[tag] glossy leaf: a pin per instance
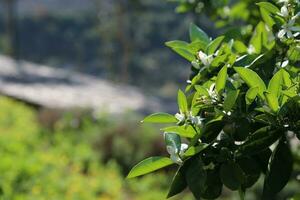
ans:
(269, 7)
(280, 170)
(252, 79)
(197, 33)
(182, 102)
(184, 53)
(178, 183)
(160, 118)
(259, 141)
(275, 84)
(149, 165)
(214, 45)
(196, 176)
(183, 131)
(251, 95)
(230, 99)
(172, 140)
(231, 175)
(194, 150)
(272, 101)
(221, 79)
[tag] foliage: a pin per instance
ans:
(241, 107)
(39, 163)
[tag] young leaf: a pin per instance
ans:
(231, 175)
(160, 118)
(182, 102)
(272, 101)
(184, 53)
(252, 79)
(194, 150)
(149, 165)
(177, 44)
(183, 131)
(197, 34)
(256, 40)
(269, 7)
(178, 183)
(213, 46)
(275, 84)
(230, 99)
(172, 140)
(266, 17)
(240, 47)
(280, 170)
(221, 80)
(251, 95)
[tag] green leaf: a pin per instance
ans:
(247, 61)
(251, 95)
(202, 90)
(178, 183)
(160, 118)
(240, 47)
(266, 17)
(221, 80)
(275, 84)
(272, 101)
(183, 131)
(269, 7)
(177, 44)
(172, 140)
(211, 130)
(195, 176)
(182, 102)
(231, 175)
(213, 185)
(230, 99)
(214, 45)
(280, 170)
(259, 141)
(252, 79)
(149, 165)
(184, 53)
(256, 40)
(251, 169)
(194, 150)
(197, 33)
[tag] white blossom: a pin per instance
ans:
(176, 155)
(196, 120)
(289, 28)
(180, 117)
(205, 59)
(284, 63)
(251, 49)
(212, 92)
(284, 12)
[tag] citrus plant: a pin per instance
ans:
(240, 109)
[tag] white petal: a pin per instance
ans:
(295, 28)
(180, 117)
(289, 34)
(202, 55)
(183, 147)
(285, 63)
(171, 150)
(284, 11)
(176, 159)
(281, 33)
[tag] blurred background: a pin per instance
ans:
(76, 78)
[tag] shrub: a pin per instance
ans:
(241, 107)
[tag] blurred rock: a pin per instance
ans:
(58, 88)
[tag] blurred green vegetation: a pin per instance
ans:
(72, 159)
